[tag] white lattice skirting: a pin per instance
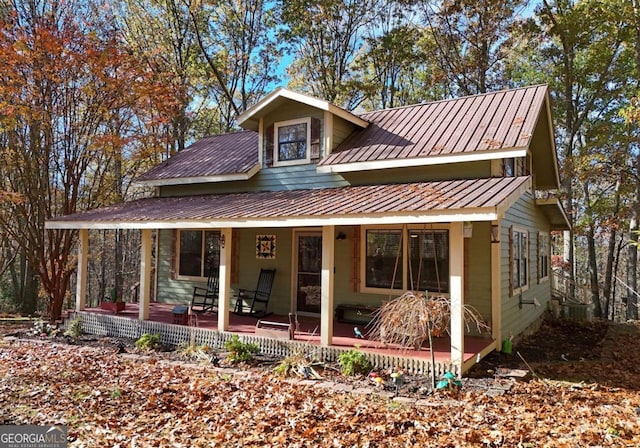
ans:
(170, 334)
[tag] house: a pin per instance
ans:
(451, 197)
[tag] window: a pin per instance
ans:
(429, 258)
(292, 142)
(508, 168)
(198, 253)
(543, 255)
(518, 166)
(420, 265)
(520, 262)
(383, 248)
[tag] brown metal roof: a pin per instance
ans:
(354, 202)
(491, 121)
(218, 155)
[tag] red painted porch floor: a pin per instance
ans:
(309, 331)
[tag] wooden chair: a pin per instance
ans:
(205, 299)
(255, 303)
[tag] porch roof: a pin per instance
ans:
(444, 201)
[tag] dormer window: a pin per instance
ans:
(292, 139)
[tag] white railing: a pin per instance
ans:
(170, 334)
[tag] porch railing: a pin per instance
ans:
(170, 334)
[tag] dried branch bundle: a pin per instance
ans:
(406, 320)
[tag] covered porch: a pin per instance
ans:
(449, 203)
(307, 333)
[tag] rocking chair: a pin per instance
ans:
(206, 298)
(254, 303)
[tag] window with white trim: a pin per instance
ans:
(543, 255)
(198, 252)
(414, 259)
(520, 259)
(292, 142)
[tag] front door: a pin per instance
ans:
(307, 272)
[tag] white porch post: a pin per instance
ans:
(326, 285)
(145, 275)
(224, 279)
(81, 280)
(456, 276)
(496, 291)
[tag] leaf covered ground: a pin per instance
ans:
(109, 399)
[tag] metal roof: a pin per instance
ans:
(211, 158)
(494, 121)
(456, 200)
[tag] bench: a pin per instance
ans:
(357, 314)
(278, 330)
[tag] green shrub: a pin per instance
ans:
(148, 341)
(353, 362)
(240, 351)
(75, 328)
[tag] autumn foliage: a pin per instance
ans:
(73, 102)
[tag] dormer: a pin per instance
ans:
(297, 129)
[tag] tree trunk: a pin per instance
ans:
(592, 257)
(621, 245)
(608, 276)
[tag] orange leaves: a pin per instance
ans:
(110, 400)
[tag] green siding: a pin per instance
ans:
(478, 270)
(268, 179)
(171, 290)
(523, 214)
(292, 111)
(249, 266)
(467, 170)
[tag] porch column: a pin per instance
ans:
(145, 275)
(81, 280)
(456, 276)
(326, 284)
(496, 289)
(224, 281)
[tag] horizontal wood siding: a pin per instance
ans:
(249, 266)
(171, 290)
(478, 275)
(523, 214)
(292, 111)
(467, 170)
(268, 179)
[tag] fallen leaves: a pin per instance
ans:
(113, 400)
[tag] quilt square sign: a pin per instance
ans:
(266, 247)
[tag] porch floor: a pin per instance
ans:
(309, 331)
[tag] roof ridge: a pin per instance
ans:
(426, 103)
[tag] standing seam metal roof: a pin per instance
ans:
(218, 155)
(491, 121)
(442, 196)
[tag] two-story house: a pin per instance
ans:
(356, 208)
